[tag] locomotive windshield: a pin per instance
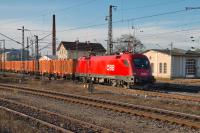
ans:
(141, 63)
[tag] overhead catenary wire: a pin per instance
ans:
(125, 20)
(95, 25)
(89, 1)
(45, 36)
(170, 32)
(196, 22)
(50, 12)
(152, 5)
(82, 4)
(10, 38)
(118, 21)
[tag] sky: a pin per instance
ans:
(157, 23)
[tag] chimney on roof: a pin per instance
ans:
(54, 36)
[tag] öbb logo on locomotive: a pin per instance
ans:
(110, 67)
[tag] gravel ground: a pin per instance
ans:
(116, 121)
(116, 94)
(9, 124)
(181, 81)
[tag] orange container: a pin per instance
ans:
(58, 67)
(68, 67)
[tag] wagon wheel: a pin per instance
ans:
(126, 85)
(114, 83)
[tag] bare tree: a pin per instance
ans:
(128, 42)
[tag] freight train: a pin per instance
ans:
(119, 70)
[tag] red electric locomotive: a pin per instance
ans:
(124, 69)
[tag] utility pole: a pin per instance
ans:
(110, 41)
(22, 51)
(54, 36)
(3, 57)
(171, 48)
(9, 39)
(27, 48)
(77, 43)
(32, 49)
(1, 65)
(22, 54)
(36, 55)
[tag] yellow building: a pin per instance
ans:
(74, 50)
(174, 64)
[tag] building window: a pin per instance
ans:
(152, 67)
(190, 66)
(160, 67)
(165, 67)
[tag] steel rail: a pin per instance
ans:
(50, 119)
(189, 120)
(166, 95)
(161, 95)
(35, 120)
(157, 94)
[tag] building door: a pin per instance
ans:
(190, 68)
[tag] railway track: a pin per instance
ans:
(156, 94)
(52, 121)
(170, 96)
(188, 120)
(34, 121)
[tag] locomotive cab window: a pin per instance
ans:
(141, 63)
(126, 63)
